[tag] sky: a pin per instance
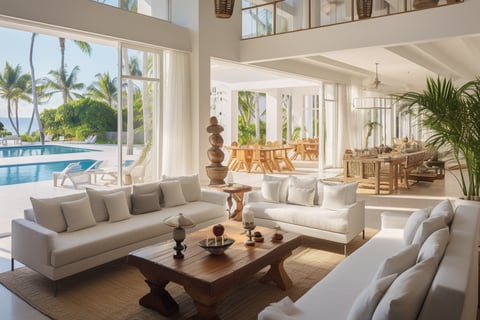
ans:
(15, 49)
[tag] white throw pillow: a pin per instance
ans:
(48, 212)
(412, 224)
(271, 191)
(443, 209)
(434, 246)
(335, 196)
(172, 193)
(366, 302)
(428, 227)
(78, 214)
(405, 297)
(98, 205)
(319, 193)
(284, 309)
(301, 191)
(191, 188)
(283, 185)
(117, 206)
(399, 262)
(351, 192)
(144, 188)
(145, 202)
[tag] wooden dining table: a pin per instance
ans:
(269, 158)
(305, 149)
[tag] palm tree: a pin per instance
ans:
(84, 47)
(13, 85)
(104, 89)
(65, 83)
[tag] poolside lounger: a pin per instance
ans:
(76, 174)
(62, 174)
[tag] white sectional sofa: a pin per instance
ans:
(435, 276)
(64, 235)
(308, 206)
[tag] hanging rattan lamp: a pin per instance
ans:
(224, 8)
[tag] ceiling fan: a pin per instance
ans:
(376, 82)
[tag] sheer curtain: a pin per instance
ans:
(177, 122)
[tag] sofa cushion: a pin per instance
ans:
(443, 209)
(98, 204)
(284, 309)
(398, 262)
(336, 196)
(190, 186)
(427, 227)
(145, 202)
(78, 214)
(117, 206)
(271, 191)
(412, 224)
(48, 212)
(172, 193)
(145, 188)
(405, 296)
(301, 191)
(365, 304)
(434, 246)
(283, 185)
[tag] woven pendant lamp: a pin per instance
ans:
(224, 8)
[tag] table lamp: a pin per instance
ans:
(178, 222)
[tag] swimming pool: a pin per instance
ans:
(38, 150)
(33, 172)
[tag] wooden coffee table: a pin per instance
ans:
(205, 277)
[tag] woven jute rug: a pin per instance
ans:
(112, 291)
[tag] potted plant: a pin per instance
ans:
(452, 114)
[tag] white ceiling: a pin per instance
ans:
(400, 68)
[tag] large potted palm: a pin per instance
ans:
(453, 116)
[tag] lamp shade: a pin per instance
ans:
(224, 8)
(179, 220)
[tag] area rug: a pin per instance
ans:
(112, 291)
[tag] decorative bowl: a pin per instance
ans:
(216, 247)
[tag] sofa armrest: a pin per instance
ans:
(31, 243)
(355, 216)
(394, 220)
(215, 197)
(253, 196)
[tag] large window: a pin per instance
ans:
(155, 8)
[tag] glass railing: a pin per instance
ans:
(154, 8)
(269, 17)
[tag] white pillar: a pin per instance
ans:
(297, 113)
(274, 115)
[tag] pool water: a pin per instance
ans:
(33, 172)
(38, 150)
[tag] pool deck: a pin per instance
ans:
(15, 198)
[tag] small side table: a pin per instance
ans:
(235, 192)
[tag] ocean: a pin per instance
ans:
(22, 122)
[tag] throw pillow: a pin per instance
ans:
(301, 191)
(443, 209)
(271, 191)
(399, 262)
(78, 214)
(319, 193)
(147, 188)
(351, 192)
(366, 302)
(98, 205)
(334, 196)
(145, 202)
(427, 227)
(191, 188)
(412, 224)
(405, 297)
(283, 185)
(48, 212)
(434, 246)
(172, 193)
(117, 206)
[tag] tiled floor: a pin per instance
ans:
(420, 195)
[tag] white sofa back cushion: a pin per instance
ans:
(78, 214)
(428, 227)
(98, 204)
(271, 191)
(283, 185)
(146, 188)
(172, 193)
(337, 196)
(435, 245)
(443, 209)
(190, 185)
(399, 262)
(405, 297)
(301, 191)
(412, 224)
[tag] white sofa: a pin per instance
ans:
(308, 206)
(452, 294)
(57, 240)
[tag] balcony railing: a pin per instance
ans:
(269, 17)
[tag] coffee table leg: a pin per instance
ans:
(277, 274)
(206, 305)
(159, 299)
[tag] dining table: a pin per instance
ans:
(267, 158)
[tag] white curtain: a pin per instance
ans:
(177, 122)
(342, 124)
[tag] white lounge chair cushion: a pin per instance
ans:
(399, 262)
(190, 186)
(435, 245)
(98, 204)
(78, 214)
(145, 202)
(48, 212)
(443, 209)
(172, 193)
(117, 206)
(412, 224)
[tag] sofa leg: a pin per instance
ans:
(345, 250)
(363, 234)
(12, 266)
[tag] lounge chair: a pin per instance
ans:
(91, 139)
(63, 174)
(76, 174)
